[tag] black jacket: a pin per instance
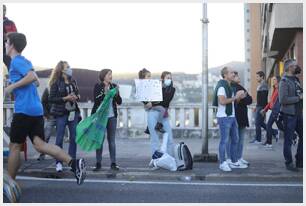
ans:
(241, 109)
(262, 94)
(57, 92)
(99, 96)
(45, 102)
(168, 93)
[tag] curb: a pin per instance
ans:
(165, 176)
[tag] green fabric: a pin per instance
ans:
(228, 91)
(90, 131)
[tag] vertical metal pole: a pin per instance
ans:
(205, 80)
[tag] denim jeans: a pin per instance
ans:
(292, 124)
(228, 131)
(259, 123)
(61, 123)
(270, 130)
(241, 136)
(154, 117)
(111, 134)
(50, 124)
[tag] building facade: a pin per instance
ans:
(273, 33)
(281, 36)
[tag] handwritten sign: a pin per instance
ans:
(148, 90)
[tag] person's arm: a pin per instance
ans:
(283, 94)
(98, 97)
(44, 101)
(29, 78)
(247, 100)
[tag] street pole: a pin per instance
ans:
(205, 156)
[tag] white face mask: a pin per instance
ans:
(68, 71)
(167, 82)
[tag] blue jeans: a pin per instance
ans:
(61, 123)
(292, 124)
(270, 131)
(154, 117)
(259, 123)
(111, 134)
(241, 136)
(50, 124)
(228, 131)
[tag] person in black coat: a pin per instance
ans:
(100, 91)
(241, 114)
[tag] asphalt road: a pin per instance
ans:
(35, 190)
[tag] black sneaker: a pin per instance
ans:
(114, 167)
(159, 127)
(98, 167)
(291, 167)
(79, 169)
(147, 131)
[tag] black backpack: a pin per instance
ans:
(183, 157)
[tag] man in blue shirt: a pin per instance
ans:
(28, 111)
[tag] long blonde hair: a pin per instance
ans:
(57, 72)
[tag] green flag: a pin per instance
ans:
(90, 131)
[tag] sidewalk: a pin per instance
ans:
(133, 156)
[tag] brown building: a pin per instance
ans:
(252, 46)
(273, 33)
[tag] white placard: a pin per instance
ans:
(125, 91)
(148, 90)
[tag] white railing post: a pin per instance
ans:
(182, 117)
(191, 118)
(172, 117)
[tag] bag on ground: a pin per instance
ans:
(166, 162)
(183, 157)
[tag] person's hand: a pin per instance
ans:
(8, 90)
(301, 96)
(239, 94)
(70, 98)
(262, 112)
(148, 105)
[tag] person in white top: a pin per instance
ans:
(224, 99)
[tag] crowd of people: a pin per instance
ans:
(36, 118)
(286, 106)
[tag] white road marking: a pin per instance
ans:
(166, 183)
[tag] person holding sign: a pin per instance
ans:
(157, 112)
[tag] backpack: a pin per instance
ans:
(183, 157)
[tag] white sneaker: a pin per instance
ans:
(229, 161)
(268, 146)
(224, 167)
(242, 161)
(59, 167)
(238, 165)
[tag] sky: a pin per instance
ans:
(127, 37)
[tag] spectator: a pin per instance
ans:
(275, 107)
(241, 113)
(100, 90)
(291, 100)
(64, 94)
(224, 99)
(8, 27)
(262, 100)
